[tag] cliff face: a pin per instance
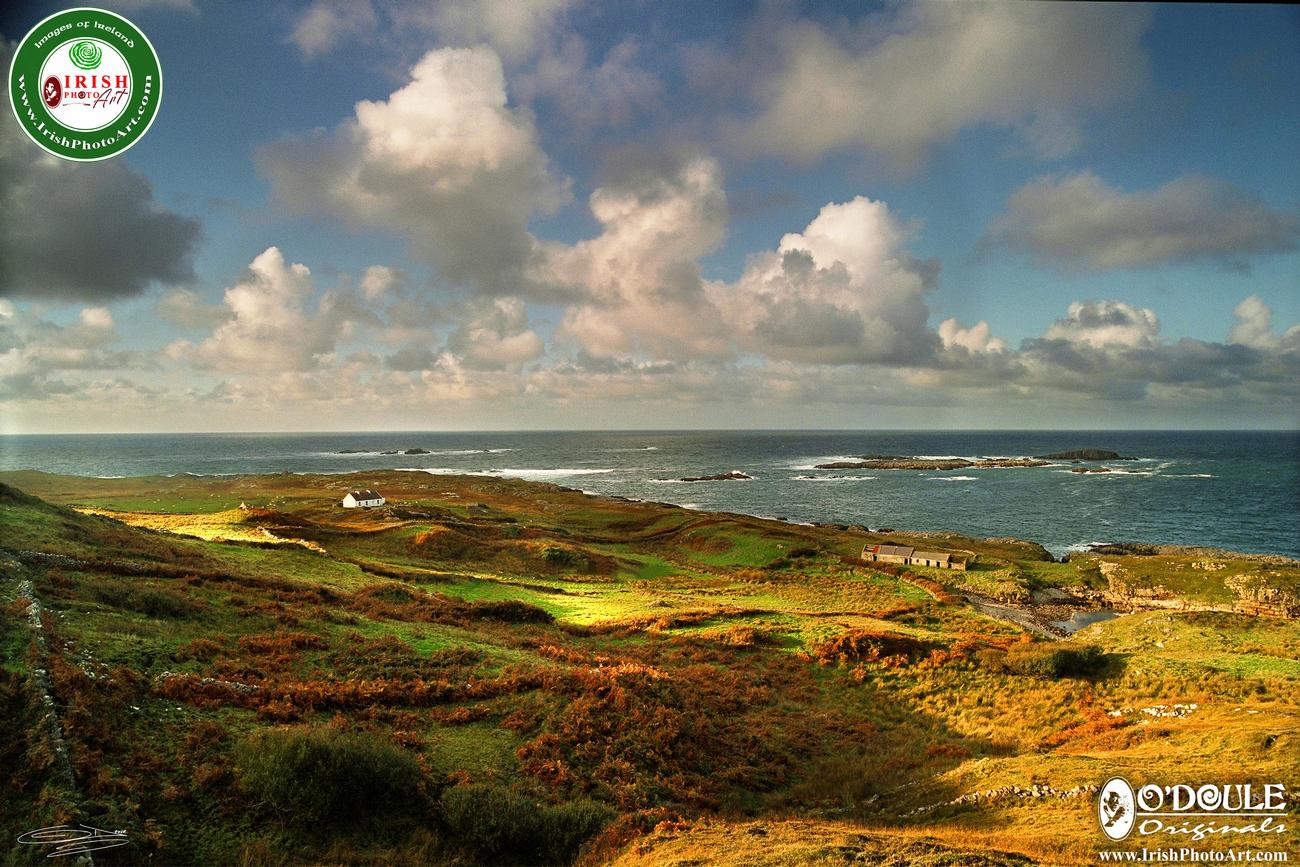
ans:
(1249, 594)
(1255, 598)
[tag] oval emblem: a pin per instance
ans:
(1116, 808)
(52, 92)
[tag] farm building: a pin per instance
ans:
(908, 556)
(937, 559)
(900, 554)
(366, 499)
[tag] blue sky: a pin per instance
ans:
(582, 214)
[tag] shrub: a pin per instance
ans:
(442, 542)
(992, 659)
(152, 601)
(1051, 660)
(402, 602)
(324, 775)
(280, 642)
(510, 611)
(202, 649)
(1085, 661)
(864, 645)
(395, 593)
(948, 751)
(502, 826)
(161, 603)
(746, 636)
(567, 826)
(565, 558)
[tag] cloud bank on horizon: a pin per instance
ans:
(558, 213)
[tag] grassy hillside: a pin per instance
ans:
(490, 671)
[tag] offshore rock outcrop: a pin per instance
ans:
(892, 463)
(1087, 455)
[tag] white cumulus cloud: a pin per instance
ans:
(1254, 327)
(444, 160)
(40, 359)
(1107, 323)
(978, 338)
(496, 337)
(637, 285)
(845, 290)
(270, 326)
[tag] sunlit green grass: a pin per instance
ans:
(484, 749)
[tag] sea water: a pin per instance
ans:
(1234, 490)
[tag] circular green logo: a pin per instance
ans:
(85, 84)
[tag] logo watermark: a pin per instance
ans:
(1188, 855)
(1116, 808)
(1173, 814)
(85, 84)
(73, 839)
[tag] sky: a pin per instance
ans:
(571, 214)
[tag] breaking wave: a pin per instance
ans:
(530, 474)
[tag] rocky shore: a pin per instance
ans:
(413, 451)
(895, 463)
(905, 462)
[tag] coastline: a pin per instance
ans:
(1229, 491)
(1119, 546)
(1015, 580)
(526, 639)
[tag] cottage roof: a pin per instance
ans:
(893, 550)
(364, 495)
(932, 555)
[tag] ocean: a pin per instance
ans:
(1234, 490)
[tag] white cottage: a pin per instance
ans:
(366, 499)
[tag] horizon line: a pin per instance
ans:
(682, 430)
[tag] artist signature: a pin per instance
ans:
(73, 839)
(108, 97)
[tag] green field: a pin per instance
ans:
(486, 671)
